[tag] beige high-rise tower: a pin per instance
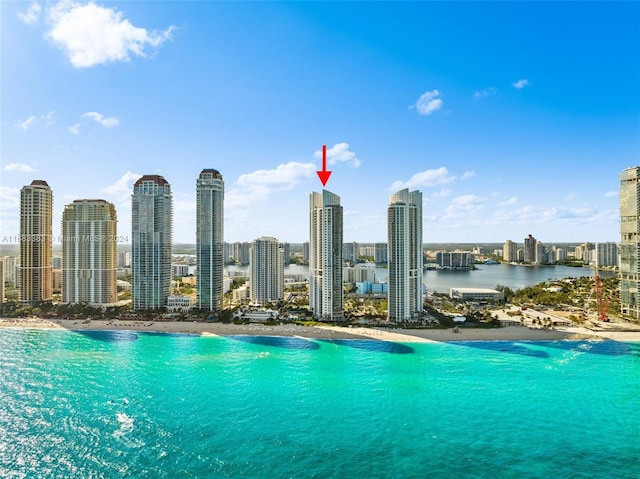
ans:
(36, 216)
(89, 254)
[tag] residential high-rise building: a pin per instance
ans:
(367, 252)
(228, 253)
(1, 280)
(326, 296)
(210, 240)
(510, 251)
(124, 259)
(286, 248)
(89, 255)
(541, 256)
(350, 252)
(305, 251)
(10, 270)
(267, 271)
(404, 227)
(630, 242)
(151, 236)
(241, 252)
(606, 254)
(36, 268)
(455, 259)
(381, 253)
(530, 249)
(561, 254)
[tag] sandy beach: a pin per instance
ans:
(510, 333)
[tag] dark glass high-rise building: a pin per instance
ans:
(210, 240)
(151, 238)
(630, 242)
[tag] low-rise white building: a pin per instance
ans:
(256, 315)
(476, 294)
(179, 304)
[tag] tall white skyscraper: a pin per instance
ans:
(267, 271)
(326, 297)
(404, 227)
(210, 240)
(151, 237)
(89, 252)
(36, 217)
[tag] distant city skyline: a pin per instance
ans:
(508, 127)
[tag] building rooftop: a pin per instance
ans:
(157, 179)
(39, 183)
(213, 171)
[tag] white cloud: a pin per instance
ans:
(26, 124)
(428, 102)
(425, 178)
(106, 122)
(258, 185)
(611, 194)
(520, 84)
(92, 35)
(49, 118)
(21, 167)
(570, 197)
(123, 187)
(485, 92)
(468, 175)
(284, 176)
(511, 201)
(464, 205)
(339, 153)
(31, 14)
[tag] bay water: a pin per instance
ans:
(105, 404)
(485, 276)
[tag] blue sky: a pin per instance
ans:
(512, 118)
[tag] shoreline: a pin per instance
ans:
(508, 333)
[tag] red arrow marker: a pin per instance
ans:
(324, 174)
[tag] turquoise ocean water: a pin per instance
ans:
(144, 405)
